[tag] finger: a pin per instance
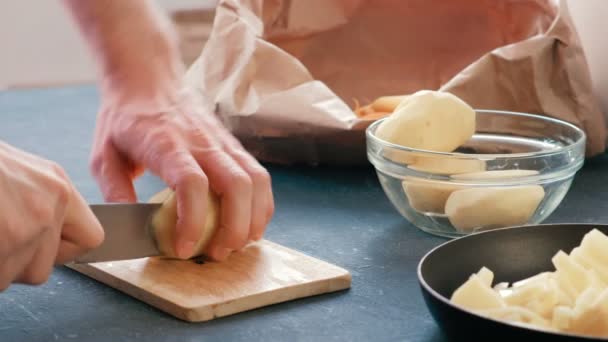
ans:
(80, 226)
(234, 187)
(114, 174)
(181, 172)
(12, 266)
(67, 251)
(40, 266)
(262, 206)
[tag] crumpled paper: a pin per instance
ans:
(284, 75)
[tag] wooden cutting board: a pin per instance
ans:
(262, 274)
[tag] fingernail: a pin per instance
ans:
(186, 249)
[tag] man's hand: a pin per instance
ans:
(147, 121)
(43, 219)
(193, 153)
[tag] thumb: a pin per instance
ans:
(114, 176)
(81, 231)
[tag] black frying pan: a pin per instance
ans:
(512, 254)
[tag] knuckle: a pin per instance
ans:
(193, 178)
(241, 181)
(60, 184)
(261, 176)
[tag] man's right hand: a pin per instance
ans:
(43, 219)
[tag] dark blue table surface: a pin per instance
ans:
(337, 214)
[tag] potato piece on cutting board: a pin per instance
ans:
(491, 207)
(165, 219)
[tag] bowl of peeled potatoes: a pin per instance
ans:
(452, 170)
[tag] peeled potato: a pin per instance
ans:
(492, 207)
(429, 120)
(448, 166)
(495, 174)
(165, 219)
(427, 196)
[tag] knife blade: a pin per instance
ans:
(127, 233)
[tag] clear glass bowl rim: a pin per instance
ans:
(369, 132)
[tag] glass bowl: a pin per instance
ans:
(514, 171)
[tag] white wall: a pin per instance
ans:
(39, 44)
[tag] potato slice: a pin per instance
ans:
(427, 196)
(165, 219)
(429, 120)
(495, 174)
(448, 166)
(492, 207)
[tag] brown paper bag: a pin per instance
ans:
(283, 75)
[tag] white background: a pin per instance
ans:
(40, 46)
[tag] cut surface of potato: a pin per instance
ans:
(495, 174)
(429, 120)
(165, 219)
(427, 196)
(492, 207)
(477, 295)
(448, 166)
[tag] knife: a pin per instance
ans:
(127, 232)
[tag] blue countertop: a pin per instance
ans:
(339, 215)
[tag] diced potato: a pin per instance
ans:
(595, 243)
(572, 299)
(475, 294)
(486, 276)
(493, 207)
(539, 278)
(165, 219)
(562, 318)
(588, 316)
(539, 297)
(570, 275)
(429, 120)
(516, 314)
